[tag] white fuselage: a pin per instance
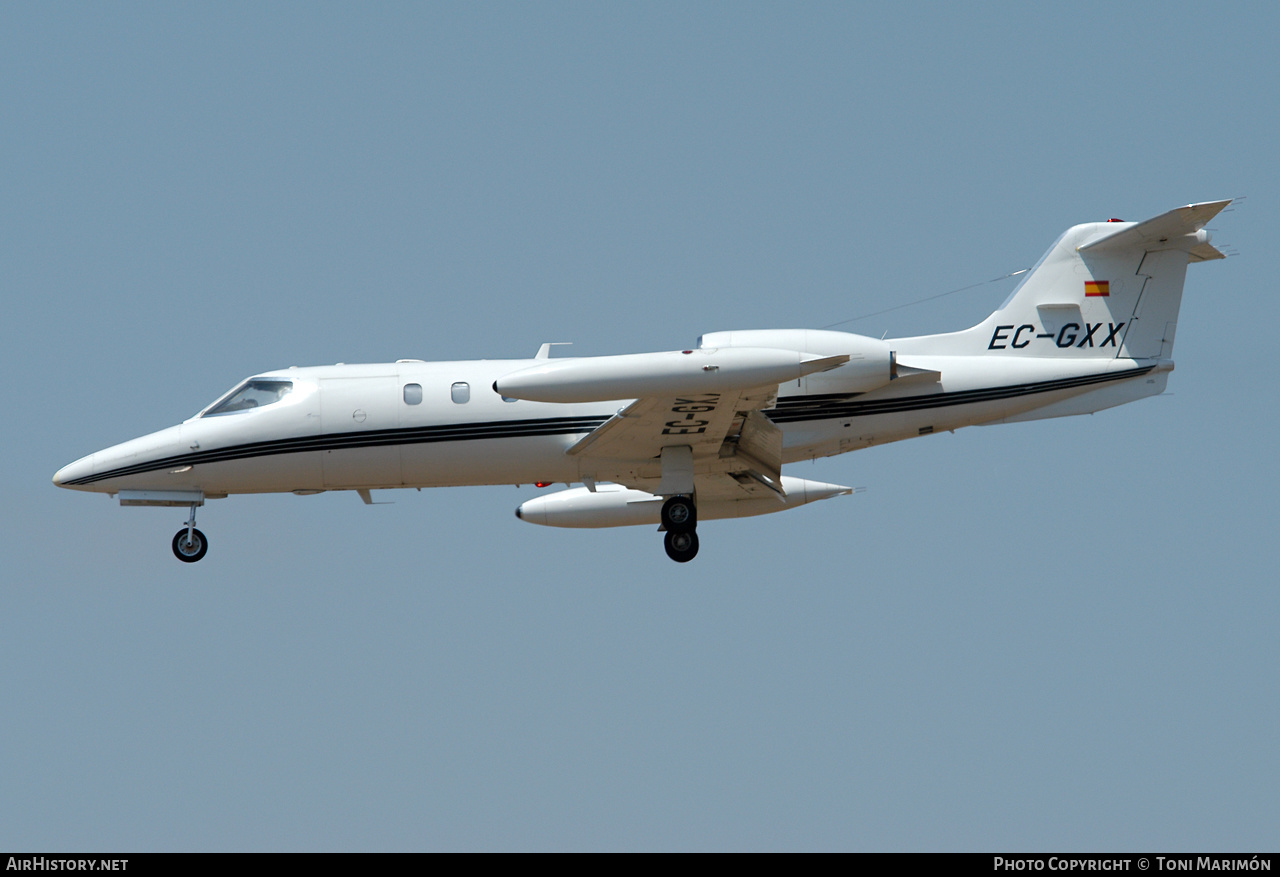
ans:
(676, 436)
(358, 427)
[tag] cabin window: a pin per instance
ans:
(252, 394)
(412, 394)
(460, 392)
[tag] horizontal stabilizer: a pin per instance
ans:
(1180, 229)
(1204, 253)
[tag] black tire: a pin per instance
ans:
(679, 514)
(189, 553)
(681, 545)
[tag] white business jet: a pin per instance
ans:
(671, 438)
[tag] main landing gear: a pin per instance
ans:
(680, 520)
(189, 544)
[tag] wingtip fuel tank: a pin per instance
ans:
(612, 505)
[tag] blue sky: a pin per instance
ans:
(1046, 636)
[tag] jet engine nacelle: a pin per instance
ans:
(871, 363)
(612, 505)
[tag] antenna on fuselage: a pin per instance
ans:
(544, 352)
(939, 295)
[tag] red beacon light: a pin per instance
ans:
(542, 484)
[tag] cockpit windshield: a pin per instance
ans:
(253, 393)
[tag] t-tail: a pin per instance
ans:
(1103, 290)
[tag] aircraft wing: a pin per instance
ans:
(734, 451)
(695, 424)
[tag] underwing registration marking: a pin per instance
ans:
(688, 414)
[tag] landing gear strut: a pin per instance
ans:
(189, 544)
(680, 520)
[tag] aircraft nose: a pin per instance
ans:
(68, 475)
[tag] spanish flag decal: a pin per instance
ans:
(1097, 287)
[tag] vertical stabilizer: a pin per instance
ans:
(1103, 290)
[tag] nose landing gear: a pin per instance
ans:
(189, 544)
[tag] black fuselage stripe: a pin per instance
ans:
(792, 409)
(829, 411)
(371, 438)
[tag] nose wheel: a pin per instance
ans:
(189, 544)
(680, 520)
